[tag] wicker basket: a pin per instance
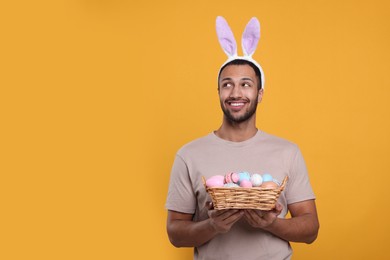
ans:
(245, 198)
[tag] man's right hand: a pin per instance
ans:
(184, 232)
(223, 220)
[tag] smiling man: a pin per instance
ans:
(239, 88)
(238, 145)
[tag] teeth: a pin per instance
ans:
(236, 104)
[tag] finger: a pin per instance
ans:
(234, 218)
(260, 213)
(230, 214)
(222, 215)
(226, 214)
(249, 213)
(251, 216)
(279, 207)
(256, 213)
(248, 216)
(253, 219)
(227, 219)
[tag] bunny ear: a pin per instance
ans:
(251, 37)
(226, 37)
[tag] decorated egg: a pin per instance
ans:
(230, 185)
(267, 177)
(231, 177)
(269, 185)
(246, 184)
(244, 176)
(215, 181)
(256, 180)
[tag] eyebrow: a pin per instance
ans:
(224, 79)
(247, 79)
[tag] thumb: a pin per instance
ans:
(209, 205)
(278, 207)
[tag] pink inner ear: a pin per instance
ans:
(251, 37)
(226, 37)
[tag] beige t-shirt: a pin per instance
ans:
(211, 155)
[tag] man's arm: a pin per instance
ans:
(184, 232)
(301, 227)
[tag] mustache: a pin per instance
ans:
(237, 99)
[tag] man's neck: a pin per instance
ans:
(237, 132)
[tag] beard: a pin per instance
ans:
(242, 118)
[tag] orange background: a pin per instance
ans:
(96, 97)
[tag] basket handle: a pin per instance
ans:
(283, 183)
(204, 182)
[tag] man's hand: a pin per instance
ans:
(223, 220)
(262, 219)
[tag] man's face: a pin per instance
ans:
(238, 92)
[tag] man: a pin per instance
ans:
(239, 146)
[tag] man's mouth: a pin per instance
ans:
(236, 105)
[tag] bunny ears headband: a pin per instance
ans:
(249, 41)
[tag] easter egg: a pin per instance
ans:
(215, 181)
(231, 177)
(267, 177)
(246, 184)
(244, 176)
(256, 180)
(269, 185)
(230, 185)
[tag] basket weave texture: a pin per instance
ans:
(245, 198)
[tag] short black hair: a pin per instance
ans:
(243, 62)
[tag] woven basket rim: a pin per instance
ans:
(281, 187)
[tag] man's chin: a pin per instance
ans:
(237, 119)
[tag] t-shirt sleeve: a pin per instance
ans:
(298, 186)
(181, 196)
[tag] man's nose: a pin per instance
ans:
(236, 92)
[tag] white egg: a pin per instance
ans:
(256, 180)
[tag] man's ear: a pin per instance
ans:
(260, 95)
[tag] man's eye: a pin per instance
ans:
(227, 85)
(246, 85)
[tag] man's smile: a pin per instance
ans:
(236, 105)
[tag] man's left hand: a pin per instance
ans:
(262, 219)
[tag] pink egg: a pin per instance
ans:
(246, 184)
(231, 177)
(215, 181)
(235, 177)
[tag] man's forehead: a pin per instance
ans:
(238, 71)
